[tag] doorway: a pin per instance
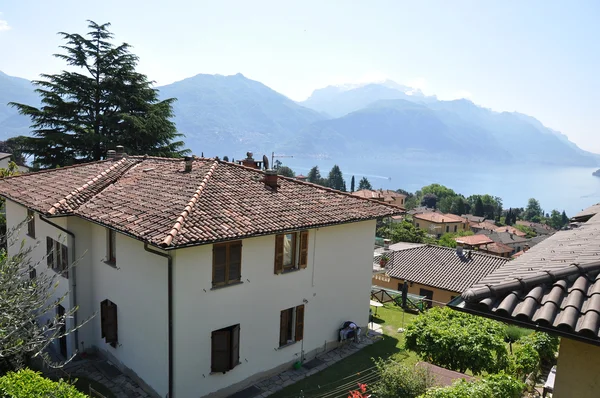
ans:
(428, 294)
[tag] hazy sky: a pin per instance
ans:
(537, 57)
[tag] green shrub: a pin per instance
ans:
(29, 384)
(545, 344)
(458, 341)
(399, 380)
(525, 361)
(493, 386)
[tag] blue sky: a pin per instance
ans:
(541, 58)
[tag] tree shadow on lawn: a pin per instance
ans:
(349, 366)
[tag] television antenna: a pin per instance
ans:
(273, 156)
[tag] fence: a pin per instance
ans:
(413, 301)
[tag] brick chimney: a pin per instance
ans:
(189, 162)
(270, 179)
(250, 162)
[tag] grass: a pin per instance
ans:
(332, 381)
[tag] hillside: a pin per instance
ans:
(14, 89)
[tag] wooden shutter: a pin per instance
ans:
(235, 346)
(299, 322)
(110, 323)
(279, 253)
(102, 317)
(283, 327)
(220, 350)
(235, 262)
(57, 255)
(219, 264)
(49, 252)
(64, 259)
(303, 249)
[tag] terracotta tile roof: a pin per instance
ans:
(473, 240)
(442, 376)
(472, 218)
(518, 254)
(496, 247)
(504, 237)
(441, 267)
(367, 193)
(439, 217)
(565, 300)
(483, 225)
(511, 230)
(154, 200)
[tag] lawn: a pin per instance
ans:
(338, 379)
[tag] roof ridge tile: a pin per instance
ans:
(188, 208)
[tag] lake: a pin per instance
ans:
(563, 188)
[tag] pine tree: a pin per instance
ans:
(565, 219)
(101, 102)
(479, 211)
(352, 184)
(336, 179)
(364, 184)
(286, 171)
(314, 175)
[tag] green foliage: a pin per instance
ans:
(314, 176)
(226, 158)
(29, 384)
(558, 220)
(512, 334)
(364, 184)
(492, 386)
(352, 184)
(403, 232)
(545, 344)
(429, 200)
(458, 341)
(399, 380)
(528, 231)
(448, 239)
(100, 102)
(524, 361)
(533, 211)
(336, 179)
(286, 171)
(14, 146)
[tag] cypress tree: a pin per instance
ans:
(352, 184)
(101, 102)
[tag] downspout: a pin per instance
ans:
(73, 277)
(169, 311)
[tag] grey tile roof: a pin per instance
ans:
(471, 217)
(565, 300)
(588, 213)
(503, 237)
(441, 267)
(537, 239)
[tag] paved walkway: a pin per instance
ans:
(275, 383)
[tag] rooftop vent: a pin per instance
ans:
(386, 244)
(110, 154)
(120, 152)
(189, 162)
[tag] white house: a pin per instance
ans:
(204, 275)
(5, 160)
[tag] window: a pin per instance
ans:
(448, 228)
(227, 263)
(108, 322)
(225, 349)
(417, 225)
(455, 228)
(291, 326)
(31, 223)
(57, 256)
(291, 251)
(428, 296)
(111, 247)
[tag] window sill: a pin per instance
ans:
(227, 285)
(31, 236)
(60, 273)
(111, 263)
(287, 345)
(222, 373)
(290, 271)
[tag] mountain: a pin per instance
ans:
(14, 89)
(229, 115)
(340, 100)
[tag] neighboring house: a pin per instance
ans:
(473, 241)
(477, 227)
(436, 272)
(5, 159)
(437, 224)
(497, 249)
(386, 196)
(510, 229)
(420, 210)
(301, 177)
(540, 229)
(204, 275)
(474, 219)
(554, 287)
(585, 214)
(517, 243)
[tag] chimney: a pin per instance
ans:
(386, 244)
(459, 251)
(270, 179)
(250, 162)
(469, 253)
(120, 152)
(110, 154)
(189, 161)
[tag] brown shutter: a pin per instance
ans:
(235, 346)
(279, 253)
(103, 317)
(49, 252)
(64, 260)
(57, 255)
(283, 327)
(299, 322)
(110, 323)
(220, 350)
(235, 262)
(303, 249)
(219, 264)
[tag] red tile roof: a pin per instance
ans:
(439, 217)
(498, 247)
(154, 200)
(511, 230)
(473, 240)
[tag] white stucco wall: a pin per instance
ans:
(16, 215)
(335, 284)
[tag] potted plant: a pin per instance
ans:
(384, 260)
